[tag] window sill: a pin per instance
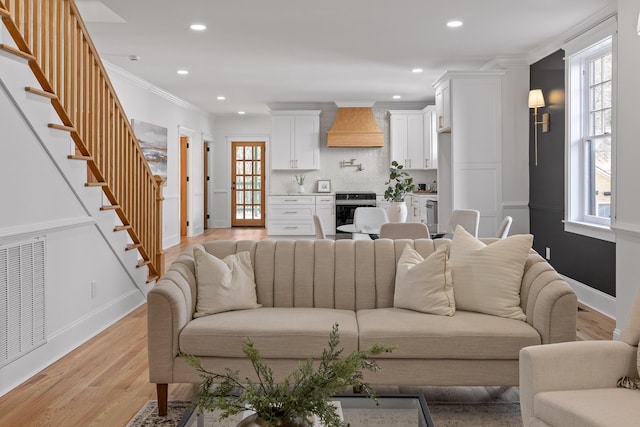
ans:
(601, 232)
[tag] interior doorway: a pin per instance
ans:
(205, 189)
(247, 184)
(184, 181)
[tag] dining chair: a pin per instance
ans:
(469, 219)
(319, 228)
(505, 226)
(404, 230)
(369, 219)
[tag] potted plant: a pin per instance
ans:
(300, 181)
(303, 394)
(399, 184)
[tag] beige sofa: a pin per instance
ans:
(306, 286)
(573, 384)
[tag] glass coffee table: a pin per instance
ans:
(358, 411)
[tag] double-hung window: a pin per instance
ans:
(590, 69)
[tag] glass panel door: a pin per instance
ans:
(247, 183)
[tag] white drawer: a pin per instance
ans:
(291, 228)
(325, 200)
(304, 212)
(292, 200)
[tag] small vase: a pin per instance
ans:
(255, 421)
(300, 188)
(397, 211)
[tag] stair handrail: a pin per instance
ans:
(68, 65)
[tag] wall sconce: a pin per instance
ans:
(536, 100)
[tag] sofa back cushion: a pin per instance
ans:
(343, 274)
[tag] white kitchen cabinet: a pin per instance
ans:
(417, 207)
(295, 140)
(443, 106)
(430, 137)
(470, 152)
(326, 211)
(412, 138)
(293, 215)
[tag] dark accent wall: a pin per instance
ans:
(587, 260)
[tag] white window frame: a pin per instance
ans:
(577, 53)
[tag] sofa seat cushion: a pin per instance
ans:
(276, 332)
(465, 335)
(588, 408)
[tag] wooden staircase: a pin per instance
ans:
(51, 36)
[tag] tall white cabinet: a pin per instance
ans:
(295, 140)
(469, 123)
(413, 138)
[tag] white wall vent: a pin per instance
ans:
(22, 302)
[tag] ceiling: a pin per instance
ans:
(260, 52)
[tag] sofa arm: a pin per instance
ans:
(167, 313)
(572, 366)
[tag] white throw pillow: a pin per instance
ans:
(487, 278)
(424, 284)
(224, 285)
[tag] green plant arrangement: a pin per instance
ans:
(302, 394)
(399, 184)
(300, 179)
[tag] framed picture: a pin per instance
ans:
(324, 186)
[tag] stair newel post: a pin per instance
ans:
(159, 252)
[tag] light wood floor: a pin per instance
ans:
(105, 382)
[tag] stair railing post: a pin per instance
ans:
(159, 252)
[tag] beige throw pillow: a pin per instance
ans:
(224, 285)
(424, 284)
(487, 278)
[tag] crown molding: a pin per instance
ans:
(146, 85)
(556, 43)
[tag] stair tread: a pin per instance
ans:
(79, 157)
(153, 278)
(5, 12)
(133, 246)
(17, 52)
(40, 92)
(109, 207)
(61, 127)
(143, 262)
(95, 184)
(121, 227)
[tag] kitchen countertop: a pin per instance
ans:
(302, 194)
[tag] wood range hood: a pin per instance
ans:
(355, 126)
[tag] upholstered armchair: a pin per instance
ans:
(574, 383)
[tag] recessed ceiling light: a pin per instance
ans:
(396, 97)
(198, 27)
(183, 72)
(221, 98)
(241, 112)
(454, 24)
(134, 58)
(417, 70)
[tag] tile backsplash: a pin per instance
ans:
(375, 161)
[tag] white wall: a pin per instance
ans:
(627, 221)
(515, 142)
(143, 101)
(46, 198)
(375, 161)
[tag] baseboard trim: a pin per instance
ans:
(62, 342)
(598, 300)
